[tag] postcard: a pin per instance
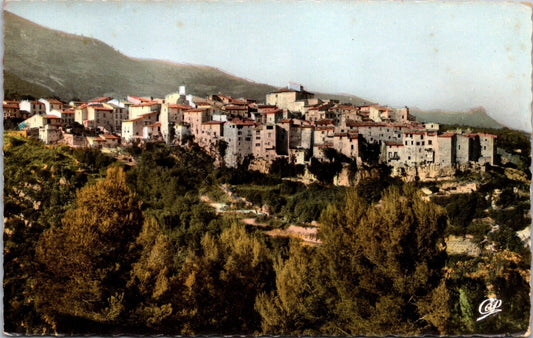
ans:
(322, 168)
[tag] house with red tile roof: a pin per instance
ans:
(33, 107)
(143, 108)
(66, 115)
(195, 117)
(51, 104)
(133, 129)
(101, 99)
(240, 111)
(136, 100)
(12, 110)
(99, 116)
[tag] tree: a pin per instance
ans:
(86, 261)
(153, 280)
(222, 282)
(383, 263)
(221, 147)
(39, 186)
(325, 171)
(294, 308)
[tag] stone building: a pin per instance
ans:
(51, 104)
(171, 115)
(144, 108)
(194, 118)
(135, 128)
(292, 98)
(239, 136)
(446, 149)
(12, 110)
(265, 142)
(211, 133)
(487, 148)
(347, 144)
(33, 107)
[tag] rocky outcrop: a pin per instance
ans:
(434, 172)
(261, 165)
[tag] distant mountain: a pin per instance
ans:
(75, 66)
(476, 117)
(39, 61)
(42, 62)
(15, 86)
(344, 98)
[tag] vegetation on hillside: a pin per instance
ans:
(77, 66)
(92, 247)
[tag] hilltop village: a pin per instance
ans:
(291, 123)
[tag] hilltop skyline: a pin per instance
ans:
(463, 55)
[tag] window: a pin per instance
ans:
(484, 147)
(422, 142)
(430, 142)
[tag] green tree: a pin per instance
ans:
(39, 186)
(384, 263)
(467, 315)
(152, 280)
(222, 282)
(86, 261)
(294, 308)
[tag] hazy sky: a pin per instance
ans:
(431, 55)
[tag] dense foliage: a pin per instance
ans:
(95, 247)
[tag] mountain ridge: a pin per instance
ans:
(40, 61)
(475, 117)
(72, 65)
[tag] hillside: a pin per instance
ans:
(476, 117)
(43, 62)
(15, 86)
(74, 66)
